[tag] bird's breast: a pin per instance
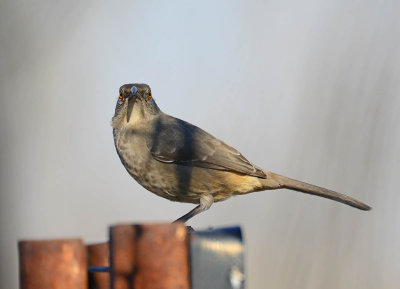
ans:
(140, 164)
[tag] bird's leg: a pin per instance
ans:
(205, 203)
(197, 210)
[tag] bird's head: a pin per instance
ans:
(134, 100)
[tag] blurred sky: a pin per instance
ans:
(308, 89)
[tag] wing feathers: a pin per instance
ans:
(176, 141)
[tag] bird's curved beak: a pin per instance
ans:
(131, 101)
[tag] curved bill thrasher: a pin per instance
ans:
(181, 162)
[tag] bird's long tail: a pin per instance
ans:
(285, 182)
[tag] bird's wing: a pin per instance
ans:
(176, 141)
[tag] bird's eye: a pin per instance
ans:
(120, 96)
(150, 95)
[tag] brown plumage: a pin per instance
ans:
(181, 162)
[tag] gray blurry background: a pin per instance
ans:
(308, 89)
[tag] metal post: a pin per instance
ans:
(53, 264)
(158, 256)
(98, 259)
(217, 259)
(149, 257)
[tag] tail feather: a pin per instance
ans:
(322, 192)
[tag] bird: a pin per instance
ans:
(181, 162)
